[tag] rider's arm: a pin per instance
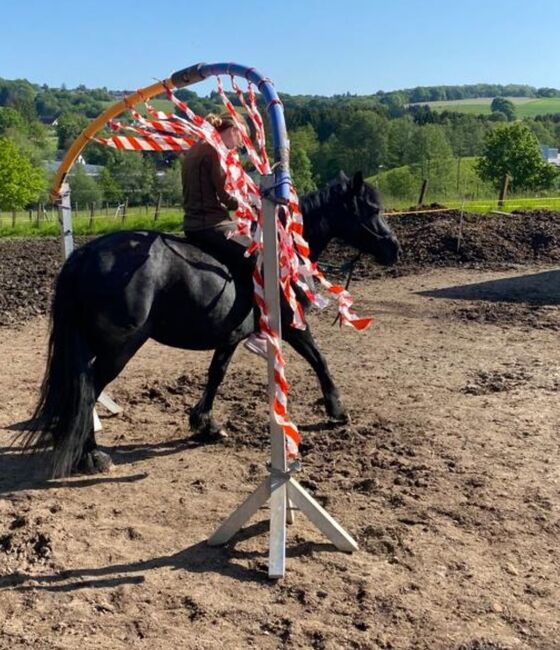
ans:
(219, 180)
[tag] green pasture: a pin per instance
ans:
(136, 218)
(524, 106)
(513, 204)
(452, 182)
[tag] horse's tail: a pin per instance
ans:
(63, 417)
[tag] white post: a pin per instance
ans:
(284, 492)
(278, 494)
(65, 216)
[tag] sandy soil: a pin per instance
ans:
(448, 477)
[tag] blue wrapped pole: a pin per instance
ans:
(200, 71)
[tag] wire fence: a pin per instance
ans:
(489, 206)
(43, 219)
(90, 219)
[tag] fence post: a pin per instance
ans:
(158, 207)
(461, 219)
(503, 191)
(91, 214)
(423, 191)
(30, 214)
(14, 213)
(125, 206)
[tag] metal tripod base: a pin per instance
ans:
(282, 490)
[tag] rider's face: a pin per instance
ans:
(232, 137)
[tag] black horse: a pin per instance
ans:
(119, 290)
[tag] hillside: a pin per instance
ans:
(524, 106)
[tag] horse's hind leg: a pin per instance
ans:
(303, 343)
(107, 365)
(201, 421)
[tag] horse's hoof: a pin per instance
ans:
(209, 437)
(340, 415)
(95, 462)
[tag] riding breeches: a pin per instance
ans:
(228, 251)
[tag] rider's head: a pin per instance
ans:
(227, 128)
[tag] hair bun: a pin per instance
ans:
(215, 120)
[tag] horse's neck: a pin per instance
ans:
(317, 230)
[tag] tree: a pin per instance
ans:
(112, 191)
(400, 135)
(68, 128)
(11, 119)
(503, 105)
(514, 150)
(302, 172)
(363, 137)
(304, 147)
(428, 143)
(135, 174)
(20, 182)
(400, 183)
(170, 185)
(84, 189)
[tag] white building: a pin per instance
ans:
(550, 154)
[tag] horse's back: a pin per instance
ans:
(132, 280)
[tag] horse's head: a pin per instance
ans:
(360, 221)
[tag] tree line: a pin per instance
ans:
(381, 132)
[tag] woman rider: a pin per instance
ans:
(207, 206)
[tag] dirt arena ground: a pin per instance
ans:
(447, 474)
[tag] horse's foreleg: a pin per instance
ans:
(201, 421)
(303, 343)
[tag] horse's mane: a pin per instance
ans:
(323, 197)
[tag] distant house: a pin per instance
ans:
(90, 170)
(550, 154)
(49, 120)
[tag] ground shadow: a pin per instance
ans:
(20, 472)
(28, 471)
(535, 289)
(198, 558)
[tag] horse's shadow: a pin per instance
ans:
(27, 471)
(535, 289)
(198, 558)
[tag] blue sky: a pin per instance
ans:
(305, 46)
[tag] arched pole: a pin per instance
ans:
(279, 486)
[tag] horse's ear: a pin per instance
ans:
(357, 182)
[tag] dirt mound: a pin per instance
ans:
(444, 239)
(28, 267)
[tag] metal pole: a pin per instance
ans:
(278, 493)
(65, 217)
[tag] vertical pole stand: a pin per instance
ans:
(279, 486)
(65, 218)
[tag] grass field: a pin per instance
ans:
(453, 183)
(524, 106)
(170, 220)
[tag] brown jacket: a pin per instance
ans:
(205, 201)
